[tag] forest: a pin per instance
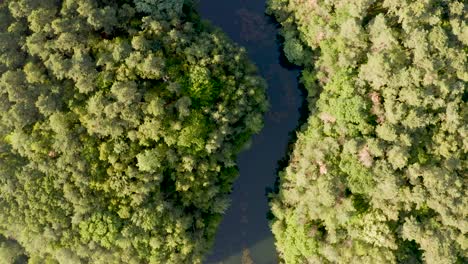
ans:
(120, 123)
(378, 172)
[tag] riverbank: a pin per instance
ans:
(244, 233)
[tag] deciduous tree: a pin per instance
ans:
(119, 129)
(378, 174)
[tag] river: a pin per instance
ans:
(244, 235)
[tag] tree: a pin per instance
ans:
(119, 129)
(377, 174)
(11, 252)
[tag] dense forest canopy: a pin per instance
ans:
(378, 173)
(120, 122)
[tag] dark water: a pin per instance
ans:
(245, 230)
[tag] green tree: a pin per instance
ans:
(11, 252)
(378, 173)
(119, 129)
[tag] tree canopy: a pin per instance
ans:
(378, 173)
(120, 122)
(11, 252)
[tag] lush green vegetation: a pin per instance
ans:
(11, 252)
(120, 122)
(378, 173)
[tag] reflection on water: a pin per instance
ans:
(253, 27)
(260, 253)
(244, 235)
(246, 258)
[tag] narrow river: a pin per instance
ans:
(244, 235)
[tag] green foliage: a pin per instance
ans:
(11, 252)
(378, 174)
(120, 122)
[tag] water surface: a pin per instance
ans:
(244, 232)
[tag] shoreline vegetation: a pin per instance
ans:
(378, 173)
(120, 122)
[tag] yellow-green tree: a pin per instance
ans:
(378, 173)
(120, 122)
